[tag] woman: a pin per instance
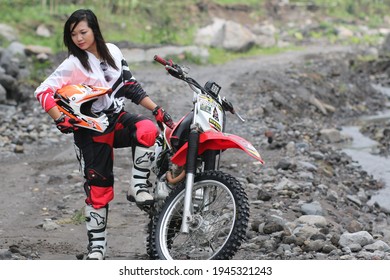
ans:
(93, 62)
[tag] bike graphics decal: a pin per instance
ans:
(205, 108)
(207, 103)
(215, 114)
(215, 124)
(248, 146)
(204, 104)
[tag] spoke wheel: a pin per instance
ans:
(220, 214)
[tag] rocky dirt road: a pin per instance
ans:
(296, 94)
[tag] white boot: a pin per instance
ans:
(138, 190)
(96, 221)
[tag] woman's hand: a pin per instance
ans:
(162, 116)
(65, 124)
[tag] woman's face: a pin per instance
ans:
(83, 37)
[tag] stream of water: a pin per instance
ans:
(361, 150)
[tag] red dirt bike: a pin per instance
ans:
(200, 211)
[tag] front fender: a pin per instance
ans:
(214, 140)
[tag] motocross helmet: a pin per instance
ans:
(75, 101)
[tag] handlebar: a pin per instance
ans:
(172, 68)
(176, 71)
(162, 61)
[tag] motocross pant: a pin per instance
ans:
(96, 150)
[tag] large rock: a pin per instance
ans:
(332, 135)
(43, 31)
(362, 238)
(211, 34)
(36, 50)
(3, 94)
(228, 35)
(8, 32)
(237, 37)
(13, 58)
(386, 45)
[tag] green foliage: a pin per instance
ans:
(220, 56)
(369, 40)
(38, 71)
(126, 20)
(325, 30)
(187, 57)
(371, 11)
(154, 22)
(78, 217)
(233, 2)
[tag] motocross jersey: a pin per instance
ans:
(71, 71)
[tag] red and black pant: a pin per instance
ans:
(125, 130)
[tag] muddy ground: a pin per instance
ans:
(42, 195)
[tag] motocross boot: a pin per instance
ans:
(138, 191)
(96, 221)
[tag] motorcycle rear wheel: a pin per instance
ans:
(220, 220)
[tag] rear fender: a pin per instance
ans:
(214, 140)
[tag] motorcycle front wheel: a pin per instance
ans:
(220, 214)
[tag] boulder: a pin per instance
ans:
(8, 32)
(226, 34)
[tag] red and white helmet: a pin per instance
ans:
(75, 101)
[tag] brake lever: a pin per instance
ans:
(238, 115)
(169, 67)
(228, 106)
(181, 71)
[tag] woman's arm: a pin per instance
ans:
(45, 92)
(148, 103)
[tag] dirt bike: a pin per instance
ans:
(200, 212)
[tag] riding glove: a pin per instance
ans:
(65, 124)
(162, 116)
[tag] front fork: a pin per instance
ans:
(192, 154)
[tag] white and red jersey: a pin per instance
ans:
(71, 71)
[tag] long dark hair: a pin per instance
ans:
(91, 19)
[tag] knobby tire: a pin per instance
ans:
(221, 213)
